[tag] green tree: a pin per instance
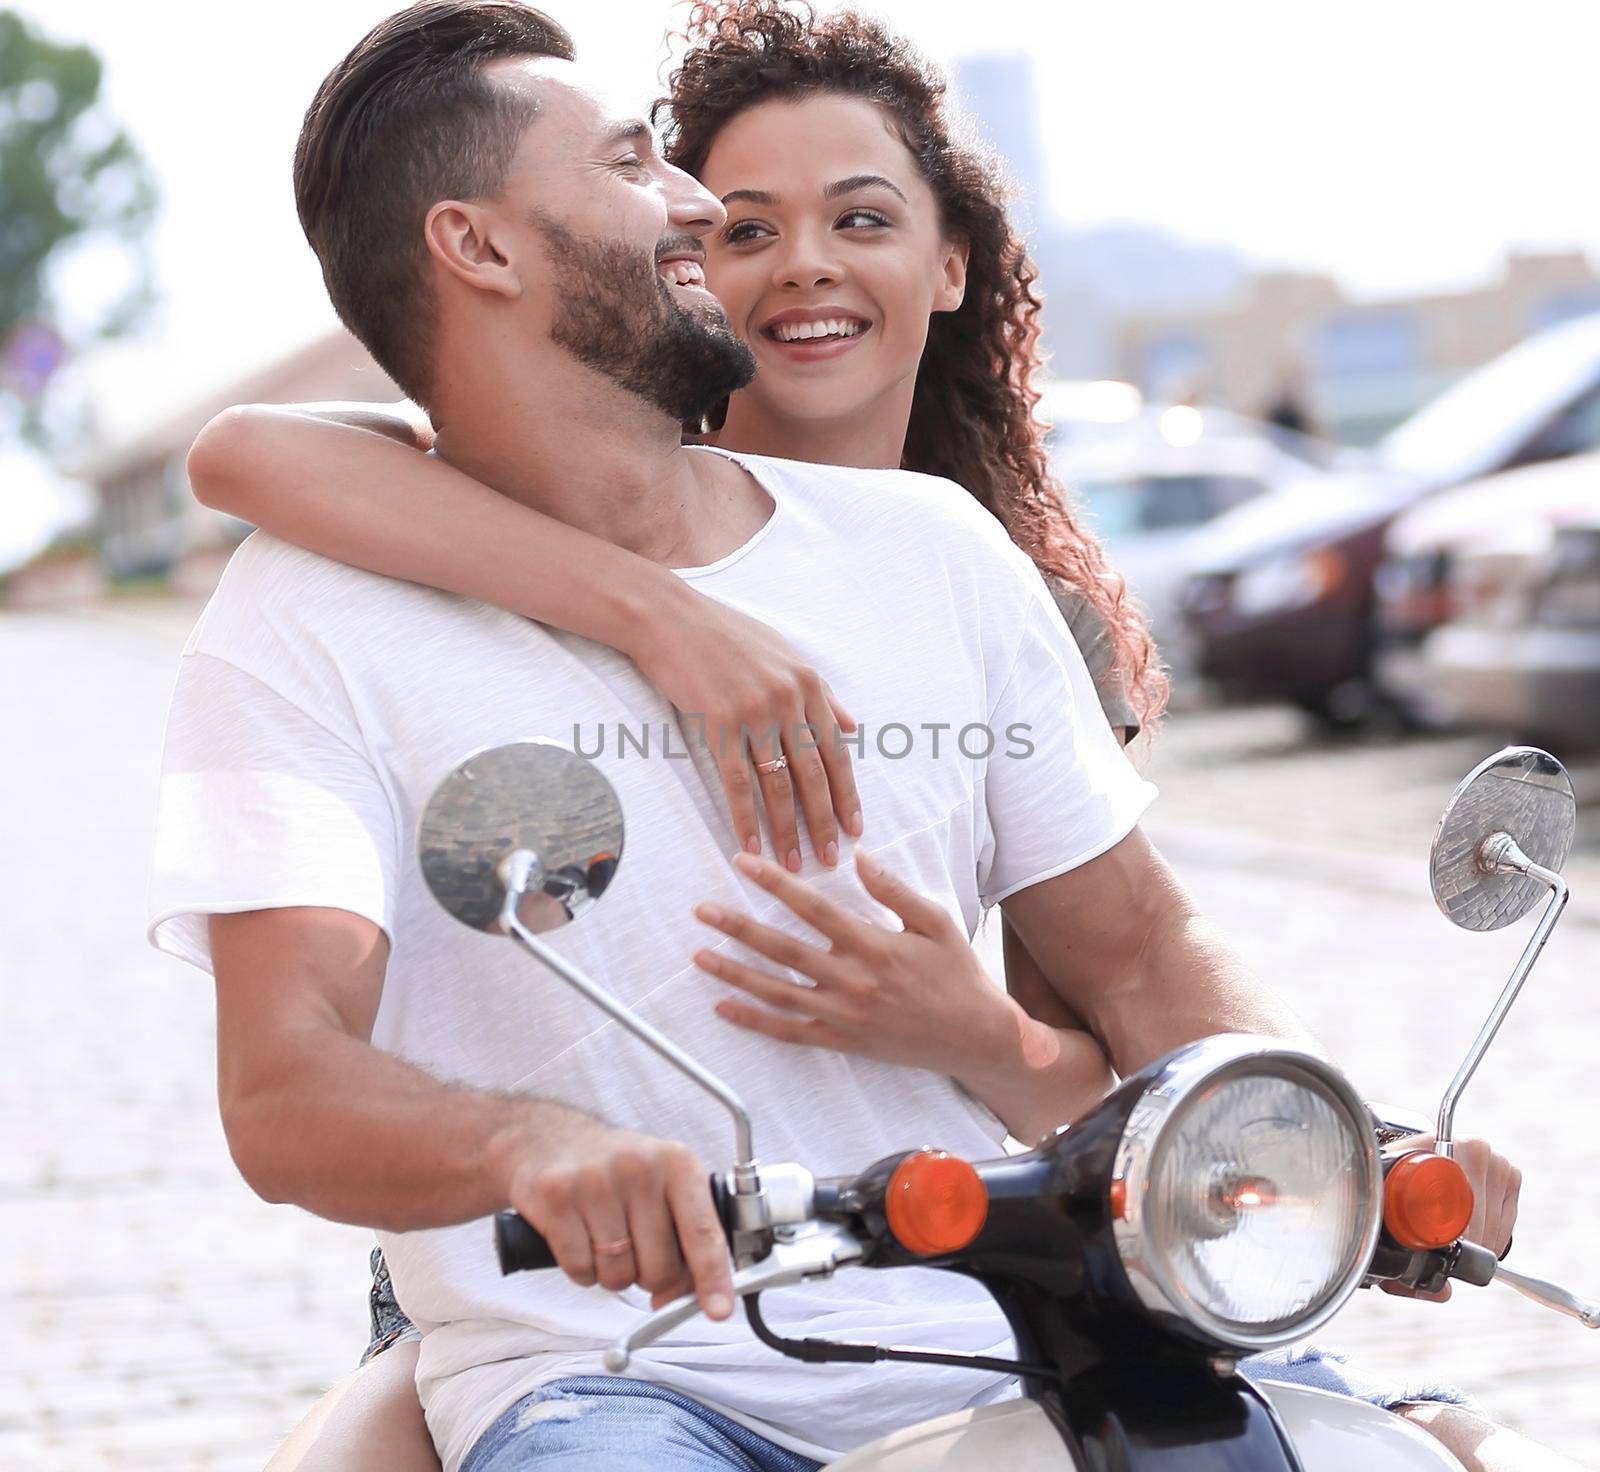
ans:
(70, 181)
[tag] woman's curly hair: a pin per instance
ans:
(972, 412)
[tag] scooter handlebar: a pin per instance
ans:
(520, 1246)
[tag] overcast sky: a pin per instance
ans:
(1400, 144)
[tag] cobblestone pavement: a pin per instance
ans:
(154, 1314)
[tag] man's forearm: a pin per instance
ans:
(1126, 949)
(357, 1135)
(1189, 983)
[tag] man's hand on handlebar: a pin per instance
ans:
(1496, 1186)
(619, 1208)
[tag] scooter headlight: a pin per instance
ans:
(1247, 1192)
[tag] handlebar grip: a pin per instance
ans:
(519, 1246)
(1474, 1264)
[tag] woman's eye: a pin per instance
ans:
(744, 231)
(856, 219)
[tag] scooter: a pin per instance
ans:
(1226, 1199)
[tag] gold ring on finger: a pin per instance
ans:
(777, 764)
(613, 1249)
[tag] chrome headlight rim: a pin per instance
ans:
(1161, 1104)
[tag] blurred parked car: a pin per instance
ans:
(1081, 409)
(1281, 602)
(1170, 469)
(1459, 549)
(1525, 658)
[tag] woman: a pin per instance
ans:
(892, 313)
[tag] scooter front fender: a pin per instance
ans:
(1330, 1433)
(1333, 1433)
(1015, 1435)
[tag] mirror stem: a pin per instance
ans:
(521, 870)
(1501, 854)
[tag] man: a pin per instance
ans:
(526, 267)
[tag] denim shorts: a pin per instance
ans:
(1309, 1365)
(1317, 1368)
(605, 1423)
(390, 1326)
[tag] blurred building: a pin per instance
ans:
(148, 522)
(46, 551)
(1092, 277)
(997, 91)
(1357, 367)
(1189, 321)
(1093, 280)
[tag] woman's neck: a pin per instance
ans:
(873, 439)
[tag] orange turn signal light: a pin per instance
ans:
(1427, 1200)
(936, 1203)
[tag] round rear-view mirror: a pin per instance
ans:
(535, 799)
(1520, 791)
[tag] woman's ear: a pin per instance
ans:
(953, 284)
(460, 237)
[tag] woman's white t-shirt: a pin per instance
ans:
(318, 705)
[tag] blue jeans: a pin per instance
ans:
(604, 1423)
(390, 1326)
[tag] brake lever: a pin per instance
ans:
(1470, 1263)
(1550, 1296)
(816, 1252)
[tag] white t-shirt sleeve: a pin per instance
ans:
(1057, 789)
(262, 806)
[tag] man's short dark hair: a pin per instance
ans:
(405, 120)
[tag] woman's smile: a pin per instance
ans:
(812, 334)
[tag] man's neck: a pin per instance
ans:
(579, 448)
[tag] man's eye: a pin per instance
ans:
(632, 162)
(856, 219)
(745, 230)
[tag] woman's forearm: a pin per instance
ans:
(1058, 1069)
(359, 495)
(1054, 1075)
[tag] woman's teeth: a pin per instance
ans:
(800, 331)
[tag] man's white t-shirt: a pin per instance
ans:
(317, 707)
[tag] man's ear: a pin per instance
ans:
(461, 238)
(953, 285)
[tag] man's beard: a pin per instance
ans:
(616, 315)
